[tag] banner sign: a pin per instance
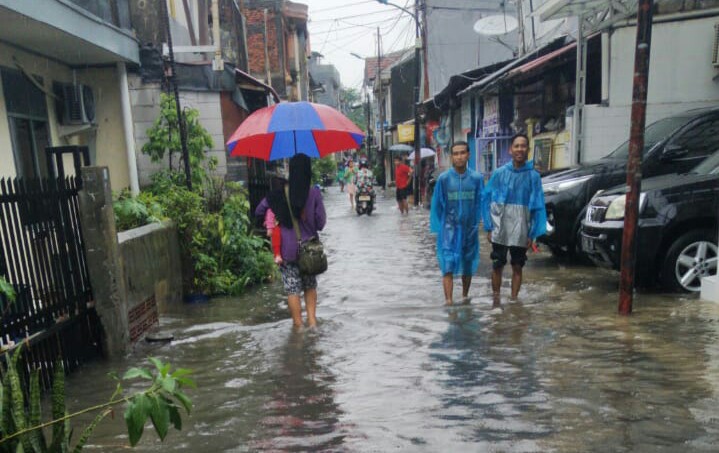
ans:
(490, 122)
(405, 133)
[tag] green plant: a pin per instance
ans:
(220, 255)
(324, 166)
(164, 139)
(8, 293)
(21, 426)
(132, 212)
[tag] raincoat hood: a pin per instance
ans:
(529, 165)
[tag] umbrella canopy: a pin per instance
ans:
(283, 130)
(423, 153)
(401, 148)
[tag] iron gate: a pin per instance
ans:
(42, 256)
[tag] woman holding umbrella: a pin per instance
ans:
(308, 208)
(299, 131)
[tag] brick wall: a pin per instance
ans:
(254, 14)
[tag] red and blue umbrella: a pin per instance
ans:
(288, 128)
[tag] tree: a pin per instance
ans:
(354, 107)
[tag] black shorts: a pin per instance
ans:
(499, 255)
(402, 193)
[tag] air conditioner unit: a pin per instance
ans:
(78, 104)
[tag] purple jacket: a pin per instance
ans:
(314, 220)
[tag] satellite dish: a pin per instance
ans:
(499, 24)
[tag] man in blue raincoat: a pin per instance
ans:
(455, 215)
(513, 214)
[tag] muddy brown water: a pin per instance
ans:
(391, 369)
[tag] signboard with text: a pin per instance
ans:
(405, 133)
(490, 122)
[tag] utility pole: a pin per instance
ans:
(636, 144)
(173, 81)
(368, 139)
(417, 97)
(380, 108)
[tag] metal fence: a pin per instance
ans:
(42, 256)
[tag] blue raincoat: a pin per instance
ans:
(456, 212)
(513, 205)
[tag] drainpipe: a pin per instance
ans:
(128, 129)
(217, 63)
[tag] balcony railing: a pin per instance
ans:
(116, 12)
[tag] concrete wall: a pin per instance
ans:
(151, 262)
(107, 142)
(454, 47)
(681, 77)
(145, 100)
(134, 274)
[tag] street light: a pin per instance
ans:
(418, 46)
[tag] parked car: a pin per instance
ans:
(671, 145)
(677, 228)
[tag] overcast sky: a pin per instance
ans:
(340, 27)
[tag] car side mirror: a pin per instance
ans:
(672, 152)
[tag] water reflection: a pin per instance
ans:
(301, 414)
(391, 369)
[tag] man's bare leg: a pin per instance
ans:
(496, 280)
(466, 283)
(311, 306)
(293, 303)
(447, 285)
(516, 280)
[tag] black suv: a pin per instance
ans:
(677, 230)
(672, 145)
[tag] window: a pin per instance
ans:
(27, 117)
(701, 139)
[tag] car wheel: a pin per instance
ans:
(691, 257)
(557, 251)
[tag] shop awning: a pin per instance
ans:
(541, 61)
(531, 56)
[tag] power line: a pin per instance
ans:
(355, 16)
(364, 25)
(346, 5)
(326, 38)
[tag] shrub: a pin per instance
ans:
(21, 426)
(132, 212)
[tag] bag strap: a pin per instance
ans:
(294, 221)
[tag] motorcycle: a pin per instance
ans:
(364, 200)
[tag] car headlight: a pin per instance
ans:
(616, 208)
(559, 186)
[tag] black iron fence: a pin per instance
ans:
(42, 256)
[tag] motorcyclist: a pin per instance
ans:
(364, 178)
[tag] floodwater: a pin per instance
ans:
(391, 369)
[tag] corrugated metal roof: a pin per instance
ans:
(537, 62)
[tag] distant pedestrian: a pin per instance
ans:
(350, 175)
(341, 177)
(455, 215)
(513, 214)
(402, 173)
(308, 208)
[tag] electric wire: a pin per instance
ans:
(346, 5)
(326, 38)
(354, 16)
(353, 25)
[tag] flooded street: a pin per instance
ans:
(390, 368)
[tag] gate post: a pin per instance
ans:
(107, 278)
